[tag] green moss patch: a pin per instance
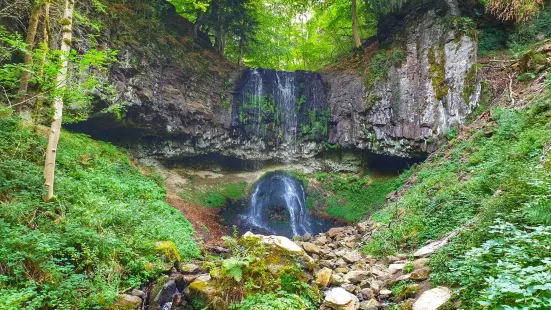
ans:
(437, 70)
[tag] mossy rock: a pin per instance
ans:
(205, 291)
(168, 250)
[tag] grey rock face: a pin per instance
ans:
(174, 112)
(404, 113)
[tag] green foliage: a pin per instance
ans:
(215, 196)
(511, 269)
(85, 82)
(380, 64)
(305, 35)
(356, 196)
(318, 125)
(249, 273)
(404, 289)
(503, 171)
(381, 7)
(409, 267)
(97, 237)
(518, 38)
(273, 301)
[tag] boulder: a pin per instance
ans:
(371, 304)
(279, 241)
(342, 270)
(190, 268)
(128, 302)
(307, 237)
(352, 256)
(323, 276)
(385, 292)
(321, 240)
(205, 290)
(420, 263)
(341, 263)
(311, 248)
(420, 274)
(367, 293)
(167, 293)
(433, 299)
(337, 279)
(138, 293)
(339, 299)
(393, 268)
(356, 276)
(349, 287)
(335, 231)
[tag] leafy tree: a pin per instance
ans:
(55, 131)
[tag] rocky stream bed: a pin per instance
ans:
(346, 278)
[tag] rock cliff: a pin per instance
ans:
(419, 80)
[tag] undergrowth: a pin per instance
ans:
(355, 196)
(494, 188)
(215, 196)
(260, 276)
(96, 239)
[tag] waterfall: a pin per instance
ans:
(276, 109)
(286, 100)
(278, 205)
(256, 99)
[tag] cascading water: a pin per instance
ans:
(286, 99)
(277, 206)
(279, 109)
(279, 197)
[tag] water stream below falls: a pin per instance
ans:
(277, 205)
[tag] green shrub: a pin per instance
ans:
(98, 236)
(512, 268)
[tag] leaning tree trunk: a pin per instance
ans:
(355, 32)
(51, 151)
(45, 43)
(28, 58)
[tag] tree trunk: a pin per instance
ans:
(355, 32)
(46, 44)
(27, 60)
(53, 139)
(219, 40)
(240, 58)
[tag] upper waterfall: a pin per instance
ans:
(281, 108)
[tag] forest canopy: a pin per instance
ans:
(281, 34)
(306, 34)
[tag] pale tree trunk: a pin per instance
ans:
(355, 32)
(27, 60)
(53, 139)
(46, 44)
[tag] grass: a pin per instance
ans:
(494, 186)
(95, 240)
(216, 196)
(354, 197)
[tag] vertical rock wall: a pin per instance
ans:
(431, 86)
